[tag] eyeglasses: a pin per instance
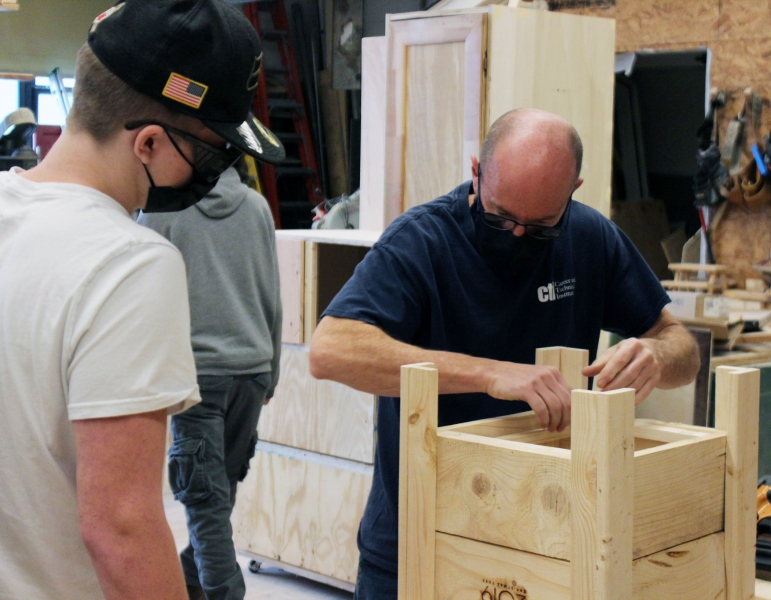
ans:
(501, 223)
(208, 161)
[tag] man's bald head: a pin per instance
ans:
(532, 130)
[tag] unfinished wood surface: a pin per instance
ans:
(667, 512)
(301, 513)
(644, 22)
(433, 152)
(602, 494)
(434, 106)
(741, 239)
(291, 271)
(417, 481)
(373, 126)
(342, 237)
(469, 569)
(321, 416)
(561, 63)
(506, 493)
(310, 303)
(570, 362)
(737, 396)
(497, 426)
(328, 266)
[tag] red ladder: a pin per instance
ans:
(271, 108)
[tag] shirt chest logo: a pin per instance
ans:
(557, 290)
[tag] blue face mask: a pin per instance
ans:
(504, 253)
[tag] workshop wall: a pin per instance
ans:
(736, 31)
(44, 34)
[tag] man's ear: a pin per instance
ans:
(146, 142)
(579, 183)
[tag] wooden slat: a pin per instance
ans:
(678, 493)
(570, 362)
(373, 125)
(417, 481)
(291, 270)
(505, 493)
(311, 414)
(467, 569)
(310, 303)
(737, 396)
(560, 63)
(602, 494)
(301, 513)
(434, 106)
(498, 426)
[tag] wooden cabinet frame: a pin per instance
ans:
(469, 29)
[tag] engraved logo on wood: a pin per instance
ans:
(502, 590)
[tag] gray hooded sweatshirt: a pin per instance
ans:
(229, 246)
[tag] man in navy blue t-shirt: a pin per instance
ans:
(474, 283)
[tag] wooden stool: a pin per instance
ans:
(617, 508)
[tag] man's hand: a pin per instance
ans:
(629, 364)
(543, 388)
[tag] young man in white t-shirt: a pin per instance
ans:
(94, 320)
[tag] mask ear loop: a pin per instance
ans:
(150, 177)
(182, 154)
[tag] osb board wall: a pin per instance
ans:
(736, 31)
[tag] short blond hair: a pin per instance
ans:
(103, 103)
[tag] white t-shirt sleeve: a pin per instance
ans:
(129, 337)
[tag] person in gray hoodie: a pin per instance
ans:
(228, 243)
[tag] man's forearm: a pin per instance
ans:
(677, 354)
(373, 363)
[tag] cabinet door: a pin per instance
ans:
(434, 106)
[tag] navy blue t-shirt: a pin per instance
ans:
(425, 283)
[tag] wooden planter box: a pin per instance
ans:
(613, 508)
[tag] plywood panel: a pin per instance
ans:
(642, 22)
(291, 260)
(320, 416)
(433, 153)
(373, 123)
(468, 569)
(564, 64)
(301, 513)
(744, 19)
(424, 73)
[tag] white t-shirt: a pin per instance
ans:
(94, 322)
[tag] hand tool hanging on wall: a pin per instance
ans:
(710, 173)
(734, 138)
(756, 191)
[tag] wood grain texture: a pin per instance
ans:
(737, 397)
(562, 63)
(410, 94)
(373, 124)
(466, 569)
(321, 416)
(570, 362)
(417, 481)
(310, 291)
(602, 494)
(742, 238)
(744, 19)
(291, 271)
(301, 513)
(506, 493)
(433, 152)
(643, 22)
(666, 514)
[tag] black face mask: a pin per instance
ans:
(170, 199)
(506, 254)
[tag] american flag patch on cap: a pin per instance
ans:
(185, 90)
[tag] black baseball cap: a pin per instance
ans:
(201, 58)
